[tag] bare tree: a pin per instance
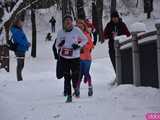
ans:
(113, 5)
(100, 19)
(97, 16)
(72, 9)
(65, 8)
(94, 15)
(137, 3)
(80, 9)
(34, 33)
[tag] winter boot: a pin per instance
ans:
(77, 93)
(69, 99)
(90, 91)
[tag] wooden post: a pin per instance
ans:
(118, 63)
(136, 60)
(158, 50)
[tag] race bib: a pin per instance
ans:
(67, 52)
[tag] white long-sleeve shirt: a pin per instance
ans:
(76, 36)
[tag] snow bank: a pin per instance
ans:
(39, 96)
(138, 27)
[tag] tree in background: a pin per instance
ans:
(1, 13)
(34, 32)
(72, 9)
(113, 6)
(97, 17)
(65, 8)
(100, 19)
(94, 14)
(148, 7)
(80, 9)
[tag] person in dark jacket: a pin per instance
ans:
(52, 21)
(49, 37)
(22, 45)
(115, 27)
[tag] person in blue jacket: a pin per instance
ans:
(22, 44)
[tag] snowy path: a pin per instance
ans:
(39, 97)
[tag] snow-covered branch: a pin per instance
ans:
(28, 6)
(7, 16)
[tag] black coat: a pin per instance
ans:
(120, 28)
(59, 67)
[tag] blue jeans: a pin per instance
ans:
(85, 66)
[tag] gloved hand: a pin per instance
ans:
(82, 50)
(62, 43)
(75, 46)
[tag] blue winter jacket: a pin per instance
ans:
(19, 39)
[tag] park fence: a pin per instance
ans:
(138, 59)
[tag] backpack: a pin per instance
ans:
(11, 45)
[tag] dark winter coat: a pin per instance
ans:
(55, 51)
(59, 67)
(120, 28)
(52, 21)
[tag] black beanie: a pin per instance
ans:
(114, 14)
(20, 17)
(67, 16)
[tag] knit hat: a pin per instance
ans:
(114, 14)
(20, 17)
(67, 16)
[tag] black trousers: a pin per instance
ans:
(20, 65)
(71, 68)
(53, 28)
(112, 57)
(95, 37)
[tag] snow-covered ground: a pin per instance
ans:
(39, 96)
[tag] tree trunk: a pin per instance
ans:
(113, 5)
(65, 8)
(137, 3)
(1, 14)
(94, 15)
(99, 18)
(72, 9)
(80, 10)
(34, 33)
